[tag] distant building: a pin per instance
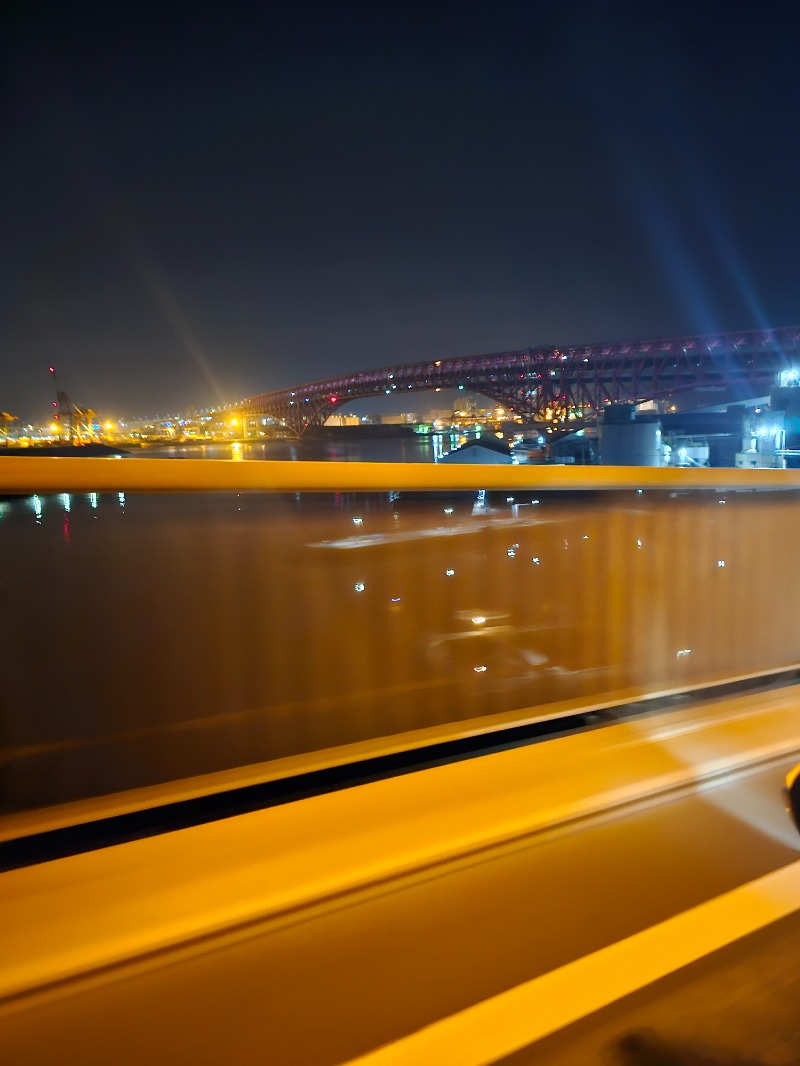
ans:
(343, 420)
(399, 420)
(486, 450)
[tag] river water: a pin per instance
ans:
(401, 449)
(151, 638)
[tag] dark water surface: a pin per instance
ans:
(149, 638)
(410, 448)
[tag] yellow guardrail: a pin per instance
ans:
(115, 905)
(46, 474)
(285, 641)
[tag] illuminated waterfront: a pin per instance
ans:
(405, 449)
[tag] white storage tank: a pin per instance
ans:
(627, 441)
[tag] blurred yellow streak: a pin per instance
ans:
(47, 474)
(77, 915)
(499, 1026)
(45, 819)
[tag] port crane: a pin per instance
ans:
(5, 422)
(75, 422)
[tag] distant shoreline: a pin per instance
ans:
(62, 451)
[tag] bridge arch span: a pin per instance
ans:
(532, 381)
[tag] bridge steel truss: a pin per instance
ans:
(551, 382)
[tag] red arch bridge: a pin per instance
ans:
(552, 382)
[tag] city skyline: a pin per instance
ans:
(199, 209)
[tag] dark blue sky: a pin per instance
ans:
(204, 204)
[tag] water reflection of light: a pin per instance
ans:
(358, 521)
(533, 658)
(479, 617)
(121, 499)
(371, 540)
(237, 454)
(93, 500)
(36, 504)
(66, 500)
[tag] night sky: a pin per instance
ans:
(205, 202)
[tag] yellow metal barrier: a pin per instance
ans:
(183, 637)
(44, 474)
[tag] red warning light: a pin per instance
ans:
(52, 369)
(55, 404)
(334, 399)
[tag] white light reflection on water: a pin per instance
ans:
(461, 529)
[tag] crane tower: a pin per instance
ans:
(75, 422)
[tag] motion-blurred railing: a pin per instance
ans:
(279, 616)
